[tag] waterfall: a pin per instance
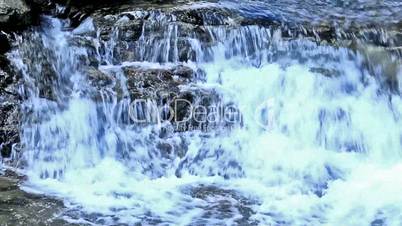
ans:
(309, 136)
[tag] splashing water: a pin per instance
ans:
(311, 149)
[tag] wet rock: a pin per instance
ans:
(207, 16)
(131, 30)
(119, 15)
(184, 72)
(89, 56)
(9, 103)
(4, 63)
(93, 3)
(19, 208)
(189, 104)
(40, 62)
(383, 65)
(97, 77)
(62, 9)
(9, 126)
(101, 84)
(156, 82)
(378, 222)
(165, 148)
(169, 89)
(4, 43)
(192, 23)
(77, 16)
(220, 203)
(134, 36)
(161, 84)
(43, 4)
(14, 14)
(330, 73)
(9, 113)
(105, 25)
(45, 79)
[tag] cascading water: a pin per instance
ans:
(317, 143)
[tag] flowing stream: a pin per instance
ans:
(315, 137)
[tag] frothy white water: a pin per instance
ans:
(312, 149)
(322, 160)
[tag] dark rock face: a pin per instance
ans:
(14, 14)
(9, 131)
(9, 112)
(4, 44)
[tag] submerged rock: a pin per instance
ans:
(223, 203)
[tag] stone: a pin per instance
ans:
(9, 113)
(101, 83)
(20, 208)
(224, 202)
(383, 65)
(98, 78)
(150, 83)
(206, 16)
(90, 55)
(14, 14)
(4, 43)
(9, 127)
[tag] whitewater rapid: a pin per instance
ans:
(311, 149)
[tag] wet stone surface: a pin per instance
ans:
(18, 208)
(223, 203)
(9, 111)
